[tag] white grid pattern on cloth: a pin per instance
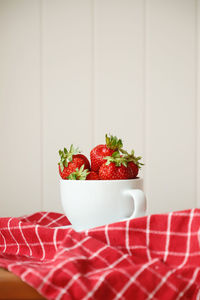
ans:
(161, 232)
(33, 244)
(56, 221)
(147, 237)
(171, 285)
(62, 263)
(163, 280)
(131, 280)
(116, 258)
(26, 243)
(92, 255)
(107, 235)
(4, 241)
(191, 281)
(9, 229)
(55, 239)
(41, 244)
(37, 274)
(188, 240)
(171, 253)
(102, 278)
(127, 237)
(114, 264)
(167, 236)
(45, 215)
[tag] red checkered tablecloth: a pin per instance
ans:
(153, 257)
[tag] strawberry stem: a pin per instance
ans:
(67, 156)
(112, 142)
(117, 159)
(79, 174)
(132, 157)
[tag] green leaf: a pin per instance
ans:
(81, 168)
(113, 142)
(123, 151)
(61, 167)
(107, 139)
(133, 152)
(66, 163)
(72, 150)
(116, 154)
(132, 158)
(124, 164)
(72, 176)
(79, 174)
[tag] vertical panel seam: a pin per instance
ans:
(144, 91)
(93, 73)
(41, 106)
(196, 61)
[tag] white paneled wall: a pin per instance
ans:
(70, 71)
(20, 107)
(171, 103)
(119, 71)
(67, 69)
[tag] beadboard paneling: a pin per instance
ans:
(67, 68)
(170, 104)
(70, 71)
(119, 71)
(20, 164)
(197, 60)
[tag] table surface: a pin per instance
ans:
(12, 287)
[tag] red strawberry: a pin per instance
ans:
(98, 153)
(70, 161)
(134, 169)
(133, 162)
(92, 176)
(115, 168)
(84, 158)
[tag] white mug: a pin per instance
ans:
(91, 203)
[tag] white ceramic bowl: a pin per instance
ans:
(92, 203)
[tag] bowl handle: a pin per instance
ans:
(139, 203)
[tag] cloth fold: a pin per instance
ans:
(153, 257)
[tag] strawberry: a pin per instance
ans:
(116, 167)
(98, 153)
(84, 158)
(70, 161)
(92, 176)
(134, 169)
(133, 162)
(79, 174)
(83, 174)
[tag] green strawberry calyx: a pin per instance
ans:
(131, 157)
(116, 158)
(79, 174)
(67, 156)
(112, 142)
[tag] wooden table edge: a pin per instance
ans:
(13, 288)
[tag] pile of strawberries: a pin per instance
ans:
(108, 162)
